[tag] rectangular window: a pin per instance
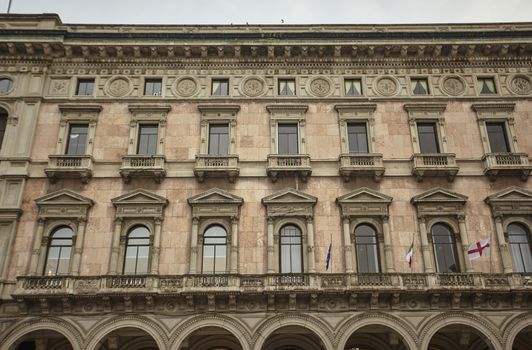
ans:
(85, 87)
(357, 135)
(288, 140)
(220, 87)
(147, 143)
(153, 87)
(487, 86)
(497, 137)
(218, 139)
(428, 138)
(353, 87)
(287, 87)
(419, 86)
(77, 139)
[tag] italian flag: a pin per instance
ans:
(410, 254)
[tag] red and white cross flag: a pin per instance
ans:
(477, 249)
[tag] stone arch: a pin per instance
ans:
(148, 325)
(514, 327)
(313, 324)
(484, 327)
(187, 327)
(70, 331)
(354, 323)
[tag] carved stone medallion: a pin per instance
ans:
(521, 85)
(253, 87)
(320, 87)
(453, 86)
(118, 87)
(59, 87)
(186, 87)
(386, 86)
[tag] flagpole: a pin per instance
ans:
(331, 254)
(412, 264)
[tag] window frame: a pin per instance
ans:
(212, 114)
(455, 246)
(130, 228)
(212, 80)
(527, 226)
(77, 114)
(280, 79)
(4, 114)
(379, 239)
(300, 244)
(362, 90)
(287, 114)
(147, 80)
(496, 112)
(50, 240)
(80, 80)
(478, 85)
(68, 140)
(356, 113)
(205, 226)
(145, 115)
(144, 126)
(427, 113)
(411, 79)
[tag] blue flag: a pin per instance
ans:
(328, 259)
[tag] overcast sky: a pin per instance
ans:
(273, 11)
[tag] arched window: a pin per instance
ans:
(214, 250)
(367, 249)
(444, 244)
(291, 249)
(137, 251)
(3, 125)
(59, 252)
(519, 240)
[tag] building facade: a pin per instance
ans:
(258, 187)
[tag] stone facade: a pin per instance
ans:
(254, 190)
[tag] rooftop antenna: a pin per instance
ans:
(9, 7)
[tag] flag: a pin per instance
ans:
(477, 249)
(410, 254)
(328, 259)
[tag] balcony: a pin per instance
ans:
(69, 166)
(143, 166)
(361, 164)
(504, 164)
(288, 164)
(216, 166)
(434, 164)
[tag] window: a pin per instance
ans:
(357, 135)
(214, 250)
(59, 252)
(137, 251)
(367, 250)
(419, 86)
(77, 139)
(147, 141)
(5, 85)
(153, 87)
(220, 87)
(487, 86)
(291, 249)
(497, 137)
(444, 245)
(353, 87)
(3, 125)
(85, 87)
(288, 139)
(428, 138)
(287, 87)
(218, 139)
(520, 247)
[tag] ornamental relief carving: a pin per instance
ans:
(186, 87)
(520, 85)
(320, 87)
(386, 86)
(118, 87)
(59, 87)
(253, 86)
(453, 86)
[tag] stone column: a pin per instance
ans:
(271, 248)
(348, 253)
(503, 246)
(234, 245)
(194, 246)
(465, 243)
(425, 248)
(36, 252)
(115, 247)
(310, 242)
(80, 237)
(388, 249)
(156, 247)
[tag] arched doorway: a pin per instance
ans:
(127, 338)
(375, 337)
(211, 338)
(459, 337)
(42, 340)
(293, 338)
(523, 340)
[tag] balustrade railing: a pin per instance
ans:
(69, 161)
(436, 160)
(505, 160)
(143, 161)
(289, 160)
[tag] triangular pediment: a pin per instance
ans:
(215, 195)
(63, 197)
(511, 194)
(289, 195)
(139, 196)
(364, 195)
(439, 195)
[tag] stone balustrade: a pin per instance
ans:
(285, 164)
(434, 164)
(215, 166)
(506, 164)
(361, 164)
(69, 166)
(143, 166)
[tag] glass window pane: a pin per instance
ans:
(218, 139)
(357, 138)
(295, 256)
(220, 87)
(85, 87)
(153, 87)
(287, 87)
(419, 86)
(5, 85)
(520, 247)
(77, 139)
(3, 124)
(487, 86)
(497, 137)
(428, 138)
(444, 246)
(288, 142)
(142, 259)
(353, 87)
(147, 144)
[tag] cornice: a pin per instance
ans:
(302, 108)
(80, 107)
(489, 107)
(140, 108)
(425, 106)
(348, 107)
(219, 107)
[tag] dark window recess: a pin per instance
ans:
(5, 85)
(220, 87)
(428, 138)
(59, 250)
(520, 246)
(444, 245)
(291, 252)
(85, 87)
(353, 87)
(77, 139)
(288, 139)
(147, 139)
(497, 137)
(3, 125)
(136, 260)
(419, 86)
(367, 250)
(153, 87)
(214, 250)
(287, 87)
(357, 135)
(487, 86)
(218, 139)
